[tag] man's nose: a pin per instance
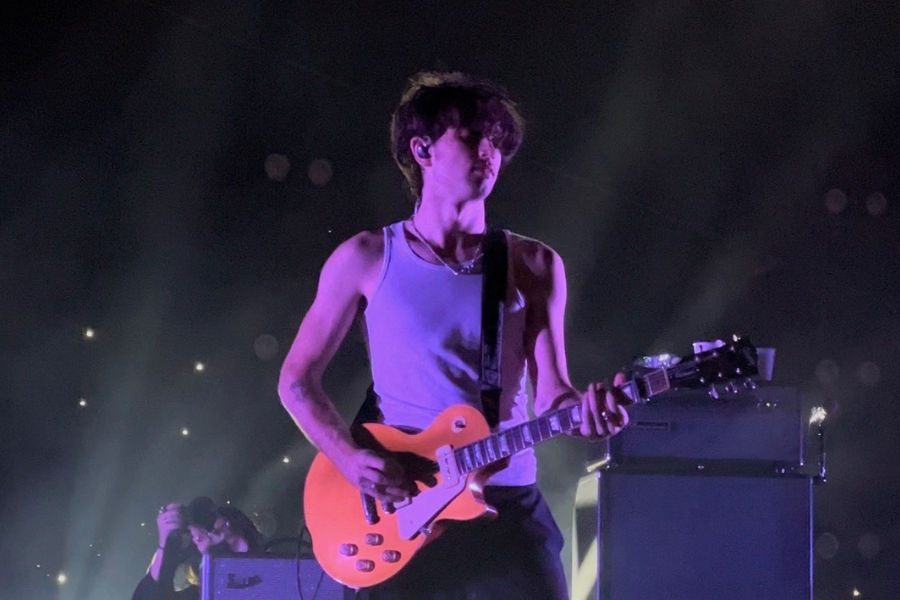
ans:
(485, 147)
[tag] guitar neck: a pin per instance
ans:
(503, 444)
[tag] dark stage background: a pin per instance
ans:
(173, 175)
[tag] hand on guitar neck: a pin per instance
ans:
(603, 411)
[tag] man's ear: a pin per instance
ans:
(420, 146)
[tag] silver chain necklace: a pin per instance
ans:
(463, 268)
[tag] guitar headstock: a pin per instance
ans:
(735, 361)
(732, 363)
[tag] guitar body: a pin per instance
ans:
(359, 554)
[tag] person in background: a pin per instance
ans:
(186, 533)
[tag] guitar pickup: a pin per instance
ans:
(447, 464)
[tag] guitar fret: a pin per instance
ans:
(503, 441)
(553, 421)
(515, 439)
(543, 426)
(467, 458)
(526, 436)
(565, 420)
(533, 433)
(575, 413)
(489, 449)
(457, 456)
(479, 454)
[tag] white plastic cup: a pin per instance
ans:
(765, 363)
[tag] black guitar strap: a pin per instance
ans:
(493, 307)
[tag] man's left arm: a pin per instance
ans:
(602, 406)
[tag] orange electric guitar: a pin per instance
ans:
(360, 542)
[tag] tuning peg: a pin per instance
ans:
(749, 384)
(713, 392)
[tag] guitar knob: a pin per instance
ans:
(365, 565)
(749, 384)
(349, 549)
(374, 539)
(390, 556)
(731, 388)
(713, 392)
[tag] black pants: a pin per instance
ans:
(515, 556)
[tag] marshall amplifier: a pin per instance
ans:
(762, 425)
(267, 578)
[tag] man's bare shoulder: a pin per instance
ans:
(355, 263)
(359, 251)
(533, 257)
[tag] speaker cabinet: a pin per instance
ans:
(267, 578)
(656, 536)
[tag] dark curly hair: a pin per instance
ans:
(241, 524)
(434, 101)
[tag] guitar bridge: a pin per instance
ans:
(370, 508)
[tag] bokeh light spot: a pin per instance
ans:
(827, 545)
(199, 367)
(265, 347)
(835, 201)
(869, 545)
(320, 172)
(277, 167)
(876, 204)
(828, 372)
(869, 373)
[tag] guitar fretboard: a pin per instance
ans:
(515, 439)
(505, 443)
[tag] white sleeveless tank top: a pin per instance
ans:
(424, 330)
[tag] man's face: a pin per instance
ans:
(464, 164)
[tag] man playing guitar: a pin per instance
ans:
(418, 284)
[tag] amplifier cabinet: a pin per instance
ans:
(267, 578)
(759, 425)
(643, 536)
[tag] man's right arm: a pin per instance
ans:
(353, 266)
